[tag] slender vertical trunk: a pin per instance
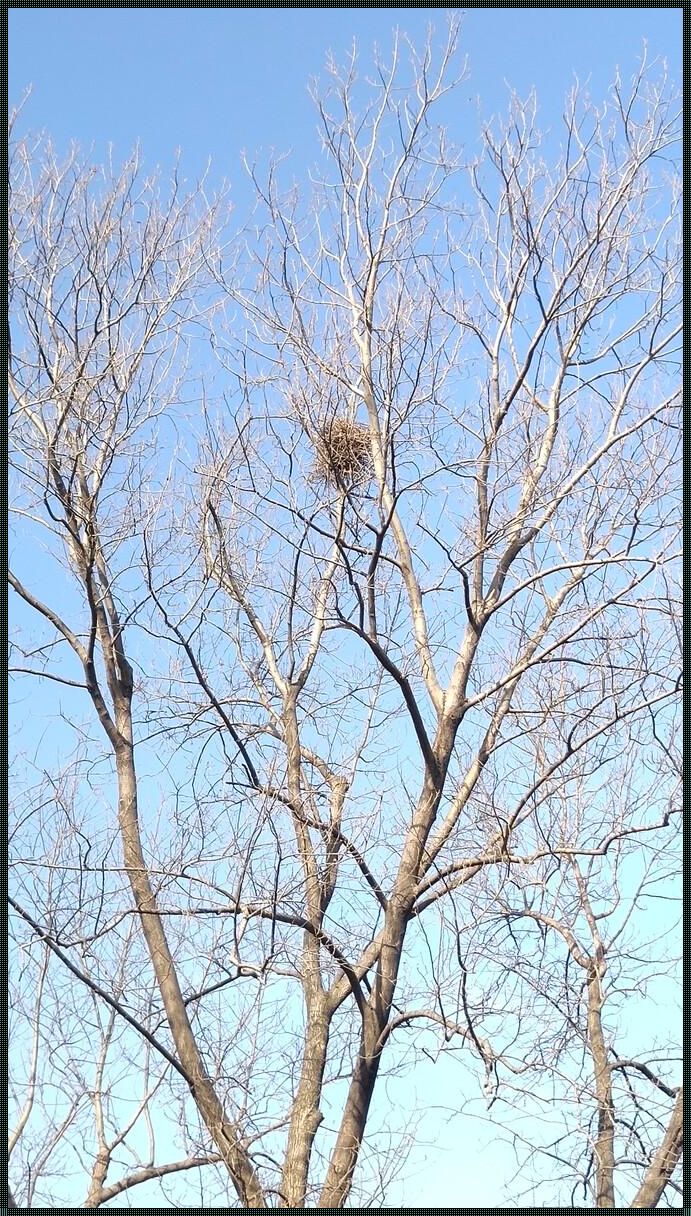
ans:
(339, 1177)
(225, 1135)
(351, 1133)
(604, 1144)
(305, 1116)
(98, 1178)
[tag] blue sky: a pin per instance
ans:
(213, 83)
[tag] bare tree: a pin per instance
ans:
(391, 603)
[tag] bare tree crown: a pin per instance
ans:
(370, 519)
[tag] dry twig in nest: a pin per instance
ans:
(343, 453)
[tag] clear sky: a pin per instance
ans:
(215, 82)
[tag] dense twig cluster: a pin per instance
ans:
(343, 453)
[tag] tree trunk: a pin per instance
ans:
(665, 1160)
(604, 1145)
(339, 1177)
(306, 1116)
(226, 1136)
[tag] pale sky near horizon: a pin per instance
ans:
(217, 82)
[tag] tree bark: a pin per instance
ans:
(665, 1160)
(376, 1014)
(604, 1145)
(225, 1135)
(306, 1116)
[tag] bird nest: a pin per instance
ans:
(343, 453)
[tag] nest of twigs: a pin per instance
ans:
(343, 454)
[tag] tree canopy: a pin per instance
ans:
(347, 555)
